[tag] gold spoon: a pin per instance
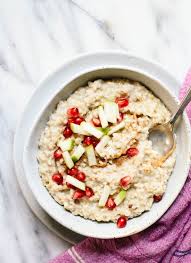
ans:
(162, 135)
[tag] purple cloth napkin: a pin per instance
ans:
(168, 240)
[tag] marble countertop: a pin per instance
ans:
(36, 36)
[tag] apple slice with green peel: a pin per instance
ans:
(102, 117)
(120, 197)
(104, 130)
(66, 145)
(91, 155)
(75, 182)
(92, 130)
(104, 141)
(68, 160)
(78, 129)
(104, 196)
(117, 110)
(110, 111)
(77, 154)
(116, 128)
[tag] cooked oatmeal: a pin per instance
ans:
(94, 155)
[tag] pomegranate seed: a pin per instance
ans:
(57, 178)
(91, 140)
(78, 120)
(73, 112)
(89, 192)
(122, 102)
(73, 172)
(58, 154)
(88, 140)
(121, 116)
(81, 176)
(71, 186)
(95, 141)
(157, 198)
(71, 120)
(121, 221)
(67, 132)
(124, 182)
(96, 122)
(132, 152)
(110, 203)
(78, 194)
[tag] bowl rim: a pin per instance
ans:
(51, 75)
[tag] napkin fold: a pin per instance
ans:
(168, 240)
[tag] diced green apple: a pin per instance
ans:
(68, 160)
(120, 197)
(117, 110)
(73, 181)
(78, 152)
(104, 141)
(78, 129)
(102, 117)
(66, 145)
(104, 130)
(92, 130)
(116, 128)
(91, 155)
(104, 196)
(110, 111)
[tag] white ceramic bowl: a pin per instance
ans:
(59, 85)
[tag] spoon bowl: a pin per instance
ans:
(162, 138)
(162, 135)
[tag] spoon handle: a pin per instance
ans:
(182, 106)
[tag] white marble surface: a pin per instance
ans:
(36, 36)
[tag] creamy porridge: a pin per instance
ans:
(94, 155)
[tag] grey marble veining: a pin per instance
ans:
(36, 36)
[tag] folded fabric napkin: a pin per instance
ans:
(168, 240)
